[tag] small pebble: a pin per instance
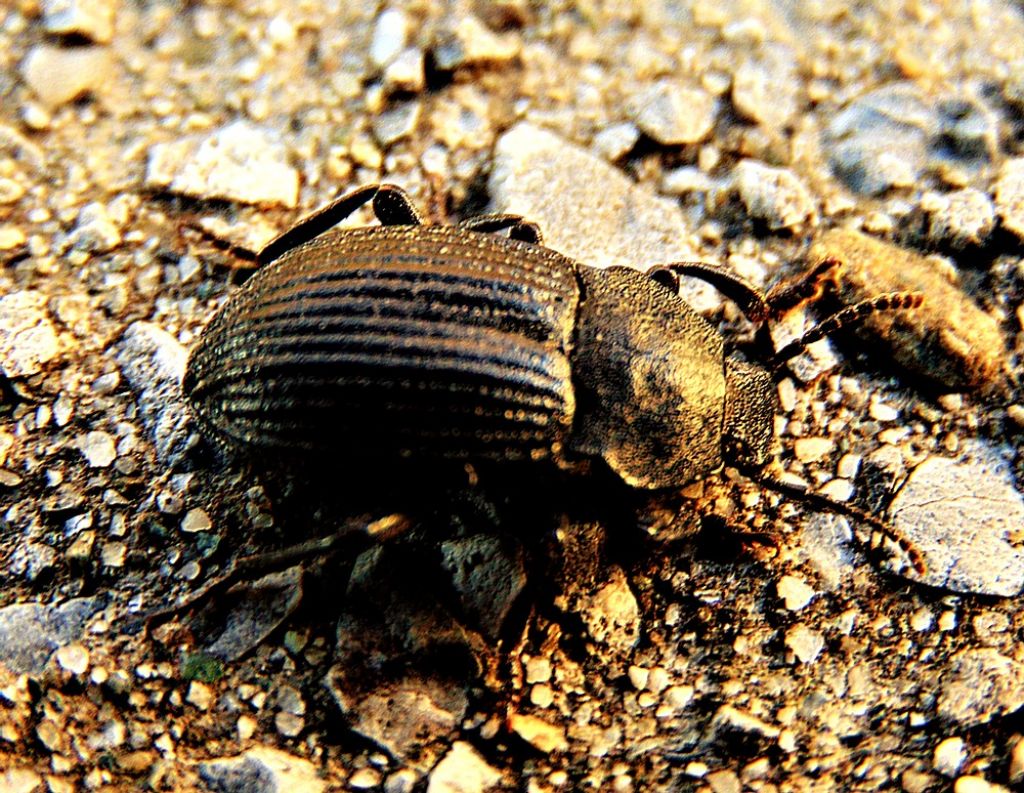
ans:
(538, 670)
(775, 196)
(98, 448)
(200, 695)
(364, 778)
(537, 732)
(795, 592)
(949, 756)
(73, 658)
(58, 75)
(806, 644)
(196, 520)
(674, 114)
(808, 450)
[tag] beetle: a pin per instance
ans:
(453, 342)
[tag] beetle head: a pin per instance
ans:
(749, 413)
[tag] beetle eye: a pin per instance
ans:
(666, 277)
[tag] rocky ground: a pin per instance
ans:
(563, 634)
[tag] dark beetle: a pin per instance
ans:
(453, 342)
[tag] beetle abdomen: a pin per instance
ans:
(419, 341)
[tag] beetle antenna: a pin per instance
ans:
(847, 317)
(821, 502)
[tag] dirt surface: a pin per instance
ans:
(537, 633)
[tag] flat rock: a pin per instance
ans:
(58, 75)
(980, 685)
(949, 340)
(966, 519)
(880, 140)
(488, 575)
(959, 219)
(153, 363)
(765, 88)
(31, 632)
(408, 716)
(28, 340)
(552, 182)
(262, 769)
(1009, 196)
(238, 162)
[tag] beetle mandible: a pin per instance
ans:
(452, 341)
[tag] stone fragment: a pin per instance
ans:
(612, 615)
(11, 237)
(616, 140)
(966, 519)
(98, 448)
(196, 520)
(96, 231)
(20, 780)
(550, 181)
(795, 592)
(237, 162)
(389, 36)
(960, 219)
(73, 658)
(672, 113)
(92, 19)
(28, 339)
(462, 770)
(406, 716)
(58, 75)
(981, 684)
(949, 340)
(397, 122)
(805, 643)
(537, 732)
(1009, 196)
(765, 88)
(775, 196)
(471, 42)
(262, 769)
(153, 363)
(949, 756)
(31, 632)
(488, 575)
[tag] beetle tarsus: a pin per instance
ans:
(393, 207)
(518, 228)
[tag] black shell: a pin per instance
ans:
(413, 341)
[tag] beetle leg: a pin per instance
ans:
(393, 207)
(487, 224)
(526, 231)
(806, 288)
(314, 225)
(519, 229)
(749, 298)
(351, 539)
